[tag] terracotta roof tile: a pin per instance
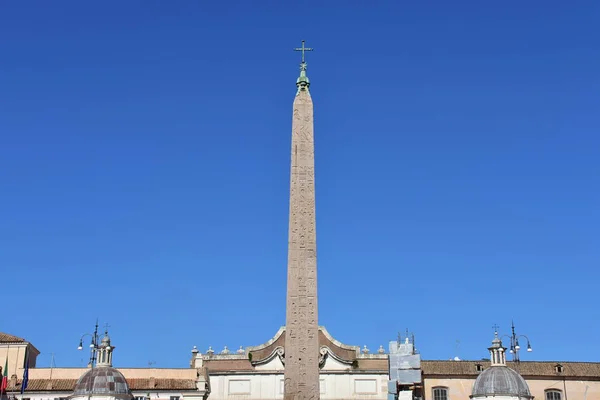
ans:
(376, 364)
(528, 369)
(162, 384)
(67, 385)
(35, 385)
(6, 338)
(228, 365)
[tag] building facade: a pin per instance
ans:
(345, 372)
(73, 383)
(547, 380)
(256, 373)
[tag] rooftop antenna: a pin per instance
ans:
(51, 365)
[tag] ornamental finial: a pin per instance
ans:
(302, 82)
(303, 49)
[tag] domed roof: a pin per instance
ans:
(104, 381)
(106, 339)
(500, 381)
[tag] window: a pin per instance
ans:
(558, 368)
(174, 398)
(440, 393)
(478, 367)
(553, 395)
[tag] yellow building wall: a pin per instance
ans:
(16, 358)
(460, 388)
(575, 390)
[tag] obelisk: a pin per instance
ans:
(302, 329)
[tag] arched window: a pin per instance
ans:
(553, 394)
(440, 393)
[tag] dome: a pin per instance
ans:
(500, 381)
(103, 381)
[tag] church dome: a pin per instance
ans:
(102, 381)
(500, 381)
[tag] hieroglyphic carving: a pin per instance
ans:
(302, 344)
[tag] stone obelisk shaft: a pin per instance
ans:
(302, 329)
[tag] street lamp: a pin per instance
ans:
(514, 344)
(93, 345)
(80, 347)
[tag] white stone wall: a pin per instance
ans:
(269, 386)
(338, 381)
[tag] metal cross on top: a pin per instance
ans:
(106, 326)
(303, 49)
(495, 327)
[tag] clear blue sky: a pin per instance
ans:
(145, 170)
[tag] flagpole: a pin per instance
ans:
(25, 380)
(4, 381)
(17, 360)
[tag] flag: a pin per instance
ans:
(25, 374)
(4, 383)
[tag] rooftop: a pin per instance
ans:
(528, 369)
(6, 338)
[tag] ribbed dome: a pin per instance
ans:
(104, 381)
(500, 381)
